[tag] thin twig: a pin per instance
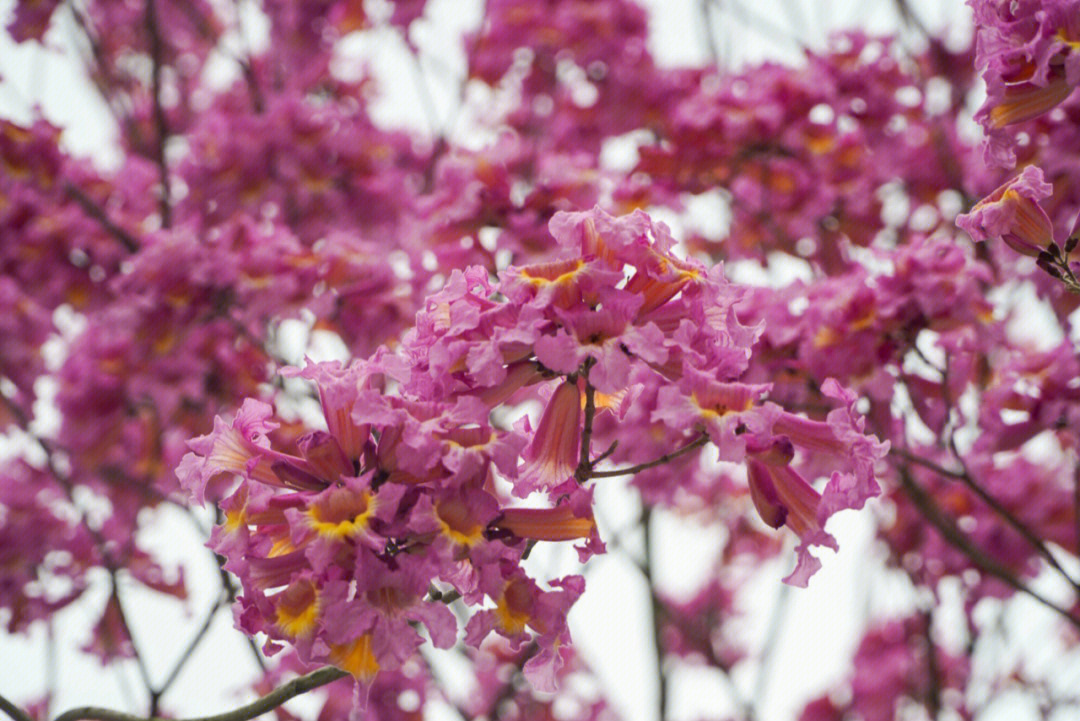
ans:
(140, 662)
(933, 691)
(957, 538)
(186, 655)
(100, 543)
(968, 479)
(424, 91)
(228, 587)
(657, 609)
(909, 17)
(96, 212)
(925, 462)
(160, 125)
(696, 443)
(1019, 526)
(707, 31)
(269, 702)
(768, 650)
(51, 666)
(1076, 500)
(100, 77)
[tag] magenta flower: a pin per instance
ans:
(344, 537)
(1012, 213)
(782, 497)
(1029, 53)
(553, 454)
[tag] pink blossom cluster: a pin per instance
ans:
(805, 153)
(898, 667)
(344, 536)
(1028, 54)
(512, 354)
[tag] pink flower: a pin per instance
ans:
(552, 456)
(1012, 213)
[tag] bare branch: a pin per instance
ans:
(13, 711)
(696, 443)
(269, 702)
(186, 655)
(657, 609)
(96, 212)
(161, 127)
(957, 538)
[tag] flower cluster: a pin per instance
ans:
(255, 189)
(804, 155)
(344, 537)
(1028, 54)
(898, 666)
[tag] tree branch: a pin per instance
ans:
(160, 125)
(925, 463)
(14, 712)
(140, 662)
(657, 609)
(968, 479)
(96, 212)
(696, 443)
(269, 702)
(100, 543)
(585, 465)
(156, 695)
(933, 691)
(957, 538)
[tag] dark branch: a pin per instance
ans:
(13, 711)
(186, 655)
(585, 466)
(657, 609)
(96, 212)
(160, 126)
(269, 702)
(957, 538)
(925, 463)
(696, 443)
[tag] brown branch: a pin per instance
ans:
(140, 662)
(909, 18)
(1076, 500)
(968, 479)
(925, 462)
(585, 466)
(1019, 526)
(100, 76)
(269, 702)
(14, 712)
(156, 695)
(96, 212)
(228, 587)
(657, 608)
(100, 543)
(157, 49)
(933, 691)
(958, 539)
(696, 443)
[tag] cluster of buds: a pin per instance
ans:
(348, 539)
